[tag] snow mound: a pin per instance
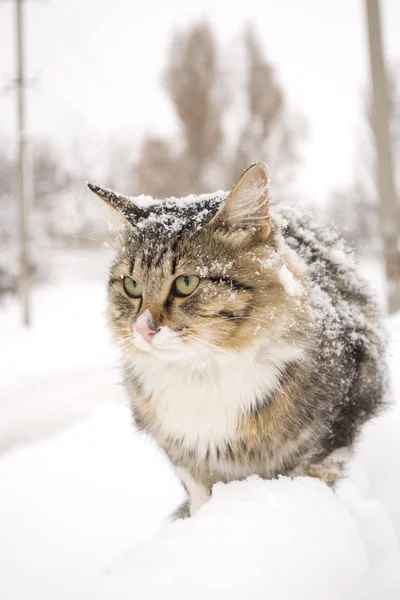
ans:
(283, 539)
(84, 499)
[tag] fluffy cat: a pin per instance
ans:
(249, 343)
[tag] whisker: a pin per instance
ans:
(214, 356)
(126, 338)
(202, 365)
(236, 356)
(208, 324)
(189, 356)
(252, 318)
(102, 243)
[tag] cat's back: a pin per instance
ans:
(327, 256)
(335, 283)
(349, 339)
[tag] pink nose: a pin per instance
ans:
(142, 327)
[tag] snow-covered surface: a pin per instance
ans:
(84, 500)
(256, 539)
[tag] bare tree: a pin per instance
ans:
(356, 218)
(267, 133)
(196, 85)
(192, 79)
(355, 210)
(8, 224)
(192, 82)
(59, 215)
(158, 169)
(367, 169)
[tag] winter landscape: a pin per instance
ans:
(85, 500)
(170, 99)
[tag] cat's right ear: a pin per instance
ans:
(246, 209)
(118, 209)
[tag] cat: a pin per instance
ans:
(249, 343)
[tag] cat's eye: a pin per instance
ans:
(186, 284)
(132, 288)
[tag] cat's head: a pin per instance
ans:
(196, 273)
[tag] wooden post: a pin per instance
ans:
(24, 263)
(389, 208)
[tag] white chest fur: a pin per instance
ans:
(201, 402)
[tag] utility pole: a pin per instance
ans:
(23, 237)
(24, 263)
(389, 209)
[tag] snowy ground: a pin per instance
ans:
(84, 500)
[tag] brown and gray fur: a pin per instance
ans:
(270, 277)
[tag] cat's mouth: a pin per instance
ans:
(165, 344)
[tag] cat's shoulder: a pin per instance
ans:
(312, 239)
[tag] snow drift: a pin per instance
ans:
(284, 539)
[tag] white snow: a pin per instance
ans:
(143, 201)
(85, 500)
(172, 213)
(279, 539)
(291, 286)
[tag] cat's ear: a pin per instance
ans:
(247, 206)
(118, 208)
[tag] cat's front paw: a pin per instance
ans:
(197, 501)
(182, 512)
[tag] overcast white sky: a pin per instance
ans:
(98, 65)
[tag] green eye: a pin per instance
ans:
(186, 284)
(132, 288)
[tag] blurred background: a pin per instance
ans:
(179, 97)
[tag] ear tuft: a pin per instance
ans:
(121, 204)
(247, 206)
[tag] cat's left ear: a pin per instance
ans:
(247, 206)
(119, 208)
